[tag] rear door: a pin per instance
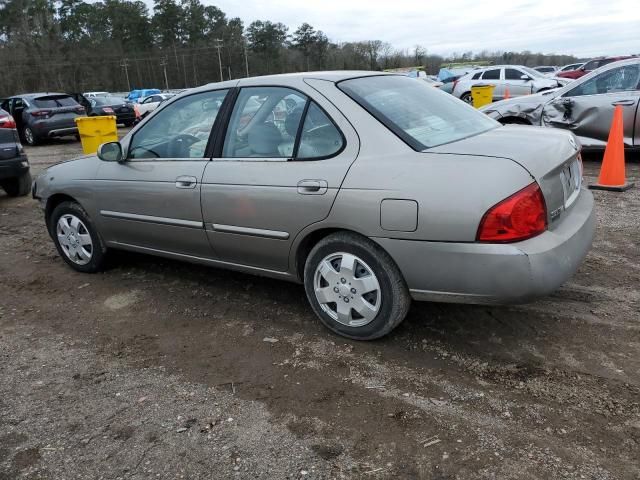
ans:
(284, 158)
(152, 199)
(587, 109)
(493, 76)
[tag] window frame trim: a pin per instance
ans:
(220, 137)
(208, 147)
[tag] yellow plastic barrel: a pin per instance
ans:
(94, 131)
(482, 95)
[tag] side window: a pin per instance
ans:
(320, 138)
(491, 74)
(264, 123)
(512, 74)
(619, 79)
(181, 130)
(476, 76)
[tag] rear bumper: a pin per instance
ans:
(497, 273)
(63, 132)
(125, 117)
(14, 167)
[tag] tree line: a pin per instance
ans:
(116, 45)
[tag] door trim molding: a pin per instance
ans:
(254, 232)
(176, 222)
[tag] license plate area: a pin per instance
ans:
(571, 179)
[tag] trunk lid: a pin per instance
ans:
(550, 156)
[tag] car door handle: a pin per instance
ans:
(624, 103)
(312, 187)
(186, 181)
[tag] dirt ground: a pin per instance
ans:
(159, 369)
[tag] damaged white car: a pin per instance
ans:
(584, 107)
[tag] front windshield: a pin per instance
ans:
(532, 72)
(419, 114)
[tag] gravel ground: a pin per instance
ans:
(158, 369)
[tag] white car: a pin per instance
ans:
(96, 94)
(521, 80)
(149, 104)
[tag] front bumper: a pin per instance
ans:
(14, 167)
(497, 273)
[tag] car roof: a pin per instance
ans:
(34, 95)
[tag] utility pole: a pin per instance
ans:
(219, 46)
(246, 58)
(125, 64)
(163, 64)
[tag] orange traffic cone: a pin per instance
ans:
(506, 93)
(612, 175)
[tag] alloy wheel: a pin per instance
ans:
(347, 289)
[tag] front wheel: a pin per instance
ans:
(76, 238)
(467, 98)
(17, 187)
(354, 287)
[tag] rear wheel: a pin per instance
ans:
(29, 137)
(354, 287)
(466, 98)
(17, 187)
(76, 238)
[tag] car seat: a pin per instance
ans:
(264, 140)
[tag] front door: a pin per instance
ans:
(152, 199)
(282, 163)
(517, 85)
(587, 109)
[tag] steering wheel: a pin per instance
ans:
(179, 145)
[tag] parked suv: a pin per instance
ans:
(39, 116)
(590, 66)
(520, 80)
(15, 178)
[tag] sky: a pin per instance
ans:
(583, 28)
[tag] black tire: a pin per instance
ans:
(29, 136)
(17, 187)
(395, 299)
(466, 98)
(99, 250)
(129, 124)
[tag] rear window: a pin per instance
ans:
(421, 115)
(108, 100)
(54, 101)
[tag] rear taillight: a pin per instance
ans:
(7, 121)
(107, 109)
(522, 215)
(41, 113)
(455, 82)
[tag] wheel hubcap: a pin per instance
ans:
(28, 135)
(347, 289)
(74, 238)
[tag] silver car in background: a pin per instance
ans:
(519, 79)
(370, 189)
(584, 107)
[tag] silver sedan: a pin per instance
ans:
(584, 107)
(370, 189)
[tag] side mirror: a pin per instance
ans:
(110, 152)
(525, 77)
